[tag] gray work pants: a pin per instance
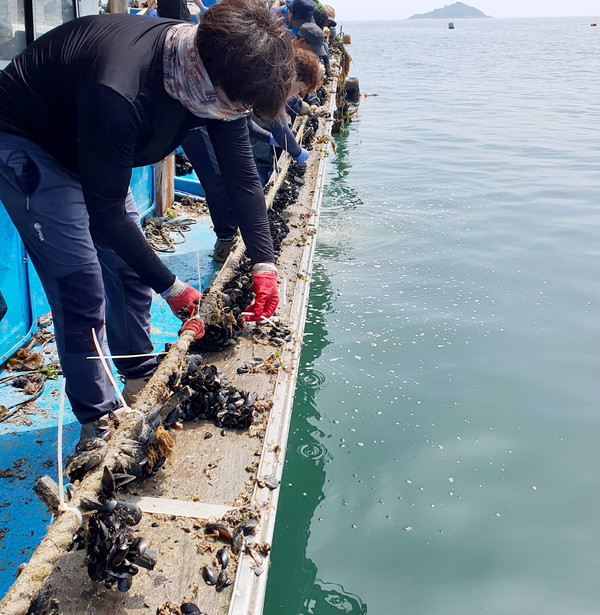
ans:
(78, 270)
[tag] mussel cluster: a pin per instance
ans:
(44, 604)
(310, 130)
(219, 579)
(235, 296)
(141, 456)
(182, 165)
(239, 536)
(276, 334)
(89, 453)
(285, 197)
(203, 392)
(277, 223)
(322, 95)
(113, 551)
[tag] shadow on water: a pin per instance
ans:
(305, 469)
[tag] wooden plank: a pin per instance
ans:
(179, 508)
(165, 184)
(249, 588)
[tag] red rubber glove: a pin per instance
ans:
(266, 295)
(183, 299)
(195, 325)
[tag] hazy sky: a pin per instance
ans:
(402, 9)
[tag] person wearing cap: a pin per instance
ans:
(323, 16)
(312, 34)
(295, 13)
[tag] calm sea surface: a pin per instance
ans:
(445, 449)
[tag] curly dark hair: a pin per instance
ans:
(308, 68)
(247, 52)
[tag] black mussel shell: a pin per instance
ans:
(81, 463)
(248, 527)
(128, 512)
(89, 444)
(209, 575)
(189, 608)
(218, 528)
(44, 604)
(90, 504)
(108, 486)
(134, 449)
(124, 585)
(145, 560)
(223, 557)
(237, 544)
(223, 580)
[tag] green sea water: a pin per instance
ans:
(443, 456)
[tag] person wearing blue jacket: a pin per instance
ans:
(294, 13)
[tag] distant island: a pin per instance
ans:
(457, 10)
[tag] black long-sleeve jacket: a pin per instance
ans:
(91, 93)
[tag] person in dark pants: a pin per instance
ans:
(79, 108)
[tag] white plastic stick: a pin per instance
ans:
(263, 318)
(126, 356)
(59, 444)
(62, 507)
(284, 291)
(107, 368)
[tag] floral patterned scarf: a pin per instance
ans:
(185, 77)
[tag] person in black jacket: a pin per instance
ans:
(82, 106)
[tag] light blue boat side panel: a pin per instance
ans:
(19, 283)
(16, 321)
(189, 184)
(142, 187)
(39, 303)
